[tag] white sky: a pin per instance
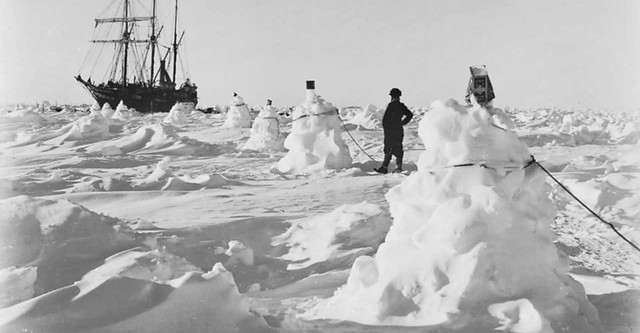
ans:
(568, 54)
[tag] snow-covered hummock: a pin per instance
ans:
(239, 254)
(93, 126)
(16, 284)
(93, 273)
(22, 116)
(315, 142)
(265, 132)
(96, 109)
(469, 246)
(239, 114)
(107, 111)
(584, 131)
(163, 179)
(368, 118)
(122, 112)
(345, 233)
(177, 115)
(156, 139)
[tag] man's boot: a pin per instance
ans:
(383, 168)
(398, 164)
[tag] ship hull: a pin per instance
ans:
(144, 99)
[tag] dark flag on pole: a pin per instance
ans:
(480, 86)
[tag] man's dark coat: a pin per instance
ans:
(393, 121)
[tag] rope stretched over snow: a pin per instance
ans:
(485, 164)
(354, 140)
(524, 166)
(533, 161)
(343, 126)
(589, 209)
(337, 113)
(317, 115)
(277, 122)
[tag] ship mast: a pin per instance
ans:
(153, 43)
(125, 40)
(175, 42)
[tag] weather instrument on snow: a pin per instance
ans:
(132, 72)
(480, 86)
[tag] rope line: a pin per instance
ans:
(484, 164)
(277, 122)
(532, 162)
(589, 209)
(529, 163)
(317, 115)
(354, 140)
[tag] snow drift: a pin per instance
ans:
(154, 139)
(348, 231)
(67, 269)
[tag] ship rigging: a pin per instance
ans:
(136, 71)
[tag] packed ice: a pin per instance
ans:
(123, 221)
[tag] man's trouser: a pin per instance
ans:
(393, 149)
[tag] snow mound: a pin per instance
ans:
(612, 195)
(239, 114)
(64, 268)
(55, 234)
(583, 135)
(265, 132)
(16, 284)
(90, 128)
(348, 231)
(122, 112)
(468, 245)
(239, 254)
(155, 139)
(163, 179)
(177, 115)
(10, 188)
(123, 295)
(28, 115)
(105, 184)
(632, 138)
(315, 142)
(107, 111)
(368, 118)
(95, 107)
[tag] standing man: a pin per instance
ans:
(395, 116)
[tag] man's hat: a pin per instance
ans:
(395, 92)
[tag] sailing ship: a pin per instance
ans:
(137, 71)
